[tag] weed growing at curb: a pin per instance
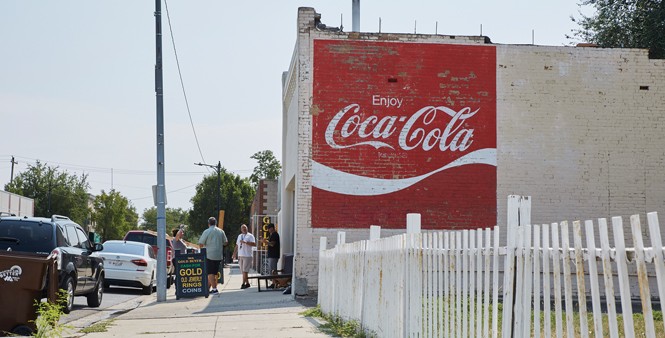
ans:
(337, 326)
(97, 327)
(48, 317)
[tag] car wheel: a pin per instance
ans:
(147, 290)
(95, 297)
(68, 287)
(22, 330)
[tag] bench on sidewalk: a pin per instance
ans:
(281, 279)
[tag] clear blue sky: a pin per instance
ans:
(77, 78)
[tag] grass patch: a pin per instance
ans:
(336, 326)
(98, 327)
(638, 320)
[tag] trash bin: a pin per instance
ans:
(23, 277)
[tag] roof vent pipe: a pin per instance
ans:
(355, 26)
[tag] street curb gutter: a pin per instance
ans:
(110, 312)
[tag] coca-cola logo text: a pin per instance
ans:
(425, 129)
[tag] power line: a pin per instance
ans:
(182, 84)
(116, 171)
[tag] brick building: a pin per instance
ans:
(377, 125)
(262, 212)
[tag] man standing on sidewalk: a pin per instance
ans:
(243, 252)
(213, 239)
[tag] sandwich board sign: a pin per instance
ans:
(191, 275)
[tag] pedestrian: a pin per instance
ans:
(213, 240)
(243, 252)
(178, 243)
(272, 241)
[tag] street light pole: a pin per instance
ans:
(219, 187)
(218, 169)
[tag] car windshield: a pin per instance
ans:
(119, 247)
(35, 237)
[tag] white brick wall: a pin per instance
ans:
(574, 131)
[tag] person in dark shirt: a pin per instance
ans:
(273, 248)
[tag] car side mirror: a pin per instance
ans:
(98, 247)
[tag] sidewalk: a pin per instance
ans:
(233, 313)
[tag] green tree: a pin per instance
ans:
(114, 215)
(624, 23)
(54, 191)
(267, 167)
(237, 195)
(174, 217)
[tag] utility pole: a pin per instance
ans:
(11, 178)
(161, 191)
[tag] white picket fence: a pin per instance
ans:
(450, 283)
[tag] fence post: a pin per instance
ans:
(374, 232)
(519, 213)
(412, 223)
(413, 277)
(324, 290)
(341, 237)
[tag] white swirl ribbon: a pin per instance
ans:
(340, 182)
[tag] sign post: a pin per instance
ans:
(191, 275)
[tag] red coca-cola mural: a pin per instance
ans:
(400, 128)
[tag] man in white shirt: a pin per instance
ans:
(243, 252)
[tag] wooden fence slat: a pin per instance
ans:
(657, 247)
(593, 279)
(518, 309)
(486, 299)
(536, 280)
(453, 285)
(436, 292)
(547, 299)
(622, 271)
(567, 279)
(479, 283)
(458, 282)
(527, 288)
(510, 266)
(441, 268)
(495, 285)
(556, 266)
(608, 280)
(642, 277)
(446, 285)
(581, 284)
(472, 282)
(465, 283)
(431, 300)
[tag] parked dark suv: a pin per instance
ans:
(80, 273)
(150, 237)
